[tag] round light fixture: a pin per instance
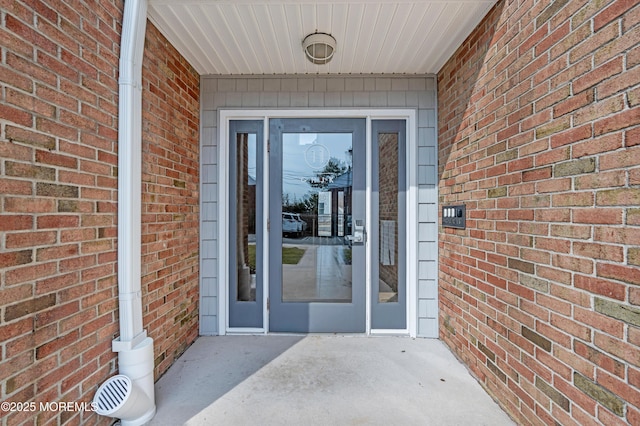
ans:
(319, 47)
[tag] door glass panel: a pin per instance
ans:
(316, 217)
(389, 235)
(246, 217)
(388, 218)
(245, 226)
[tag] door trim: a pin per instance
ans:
(226, 115)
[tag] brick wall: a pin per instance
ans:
(539, 127)
(58, 180)
(58, 134)
(170, 201)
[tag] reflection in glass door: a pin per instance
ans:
(316, 258)
(388, 238)
(245, 224)
(317, 186)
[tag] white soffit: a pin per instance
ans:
(250, 37)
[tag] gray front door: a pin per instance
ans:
(317, 201)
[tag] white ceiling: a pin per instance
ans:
(265, 37)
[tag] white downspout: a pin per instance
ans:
(129, 168)
(134, 348)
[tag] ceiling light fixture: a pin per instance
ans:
(319, 47)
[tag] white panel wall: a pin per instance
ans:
(305, 92)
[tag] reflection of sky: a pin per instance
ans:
(295, 166)
(251, 168)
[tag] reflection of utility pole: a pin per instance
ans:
(347, 207)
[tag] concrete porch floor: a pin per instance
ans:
(321, 380)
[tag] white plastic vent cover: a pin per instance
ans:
(113, 394)
(121, 398)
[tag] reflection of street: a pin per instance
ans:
(315, 241)
(322, 275)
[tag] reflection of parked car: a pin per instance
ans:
(291, 225)
(302, 222)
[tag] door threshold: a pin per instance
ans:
(372, 333)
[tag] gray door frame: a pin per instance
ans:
(390, 315)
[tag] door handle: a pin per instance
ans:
(359, 233)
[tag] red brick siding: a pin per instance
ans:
(539, 114)
(58, 203)
(170, 202)
(58, 178)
